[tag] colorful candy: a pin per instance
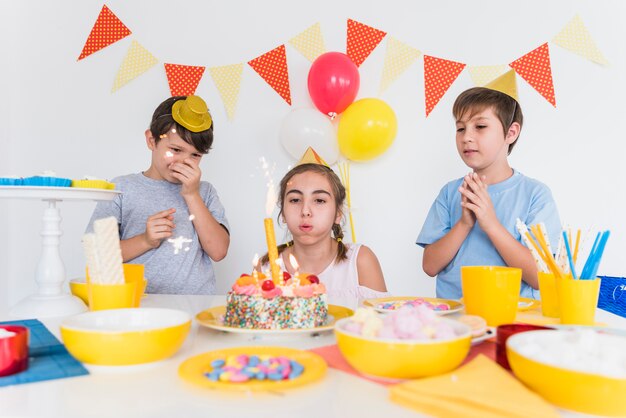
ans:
(242, 368)
(397, 304)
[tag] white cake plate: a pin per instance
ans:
(50, 300)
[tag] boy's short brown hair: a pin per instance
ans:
(477, 99)
(162, 122)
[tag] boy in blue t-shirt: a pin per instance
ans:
(472, 221)
(169, 220)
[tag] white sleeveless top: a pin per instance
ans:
(342, 281)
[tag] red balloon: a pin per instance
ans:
(333, 82)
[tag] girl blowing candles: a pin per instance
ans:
(311, 201)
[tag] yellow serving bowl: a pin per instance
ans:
(570, 389)
(119, 337)
(403, 359)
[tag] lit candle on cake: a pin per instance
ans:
(296, 266)
(255, 262)
(270, 237)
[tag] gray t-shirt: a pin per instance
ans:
(178, 265)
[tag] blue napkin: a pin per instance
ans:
(48, 357)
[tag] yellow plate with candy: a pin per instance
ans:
(392, 303)
(194, 368)
(212, 318)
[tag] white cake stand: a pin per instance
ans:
(50, 300)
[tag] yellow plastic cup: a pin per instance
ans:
(578, 300)
(127, 295)
(491, 292)
(549, 296)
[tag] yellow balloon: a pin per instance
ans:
(367, 129)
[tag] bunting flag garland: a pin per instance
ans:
(483, 74)
(398, 57)
(309, 43)
(575, 37)
(227, 79)
(137, 61)
(183, 79)
(439, 74)
(361, 41)
(272, 67)
(107, 30)
(534, 67)
(506, 84)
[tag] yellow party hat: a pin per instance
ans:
(192, 113)
(312, 157)
(506, 84)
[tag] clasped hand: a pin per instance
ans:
(476, 202)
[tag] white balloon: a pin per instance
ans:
(303, 128)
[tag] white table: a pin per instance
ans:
(50, 299)
(155, 390)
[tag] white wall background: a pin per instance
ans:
(58, 114)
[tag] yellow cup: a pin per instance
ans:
(491, 292)
(127, 295)
(549, 296)
(578, 300)
(112, 296)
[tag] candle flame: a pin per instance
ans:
(169, 154)
(192, 217)
(255, 261)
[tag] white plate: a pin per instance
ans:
(491, 332)
(455, 306)
(211, 318)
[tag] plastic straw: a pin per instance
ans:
(587, 267)
(569, 255)
(598, 255)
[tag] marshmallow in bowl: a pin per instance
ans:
(406, 323)
(586, 351)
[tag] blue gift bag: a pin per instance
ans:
(613, 295)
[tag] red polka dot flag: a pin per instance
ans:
(362, 40)
(534, 67)
(439, 74)
(272, 67)
(107, 30)
(183, 79)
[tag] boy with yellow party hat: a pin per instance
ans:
(311, 201)
(169, 220)
(473, 219)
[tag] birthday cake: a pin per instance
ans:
(257, 302)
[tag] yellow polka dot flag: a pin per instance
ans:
(227, 79)
(107, 30)
(576, 38)
(362, 40)
(137, 61)
(183, 79)
(483, 74)
(309, 43)
(534, 67)
(398, 57)
(272, 67)
(439, 74)
(506, 84)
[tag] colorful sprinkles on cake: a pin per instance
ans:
(242, 368)
(397, 304)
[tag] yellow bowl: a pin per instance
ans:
(119, 337)
(575, 390)
(403, 359)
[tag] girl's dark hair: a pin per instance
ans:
(338, 191)
(477, 99)
(163, 122)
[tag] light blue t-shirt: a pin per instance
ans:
(516, 197)
(179, 266)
